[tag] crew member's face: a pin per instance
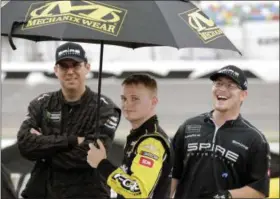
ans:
(138, 102)
(227, 95)
(71, 74)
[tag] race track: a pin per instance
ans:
(179, 100)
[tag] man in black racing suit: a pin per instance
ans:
(55, 131)
(148, 156)
(220, 154)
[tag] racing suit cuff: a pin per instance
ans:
(105, 167)
(72, 141)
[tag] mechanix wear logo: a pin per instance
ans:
(94, 15)
(202, 25)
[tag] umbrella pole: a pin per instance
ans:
(97, 132)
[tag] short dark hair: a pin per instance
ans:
(140, 78)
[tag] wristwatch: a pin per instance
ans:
(225, 194)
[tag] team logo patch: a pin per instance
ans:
(202, 25)
(52, 116)
(94, 15)
(128, 184)
(146, 162)
(151, 147)
(148, 154)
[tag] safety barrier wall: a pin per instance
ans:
(267, 70)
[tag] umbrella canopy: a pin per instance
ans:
(133, 24)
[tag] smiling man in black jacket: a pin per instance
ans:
(55, 131)
(220, 154)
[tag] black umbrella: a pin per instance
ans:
(132, 24)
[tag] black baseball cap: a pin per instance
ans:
(70, 50)
(234, 73)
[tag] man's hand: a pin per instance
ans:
(35, 132)
(80, 140)
(95, 155)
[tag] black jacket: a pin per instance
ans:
(61, 169)
(146, 168)
(209, 159)
(7, 187)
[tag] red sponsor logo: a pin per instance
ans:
(146, 162)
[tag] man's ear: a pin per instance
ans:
(155, 101)
(55, 68)
(88, 66)
(244, 95)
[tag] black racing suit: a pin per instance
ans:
(209, 159)
(146, 168)
(61, 169)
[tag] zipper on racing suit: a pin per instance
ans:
(214, 154)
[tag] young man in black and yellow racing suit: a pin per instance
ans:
(147, 163)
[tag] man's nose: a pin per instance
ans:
(223, 87)
(127, 104)
(70, 69)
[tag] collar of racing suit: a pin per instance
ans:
(83, 97)
(149, 126)
(208, 118)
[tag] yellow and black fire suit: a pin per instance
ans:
(146, 168)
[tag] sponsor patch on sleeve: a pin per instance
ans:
(146, 162)
(148, 154)
(151, 147)
(127, 184)
(112, 122)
